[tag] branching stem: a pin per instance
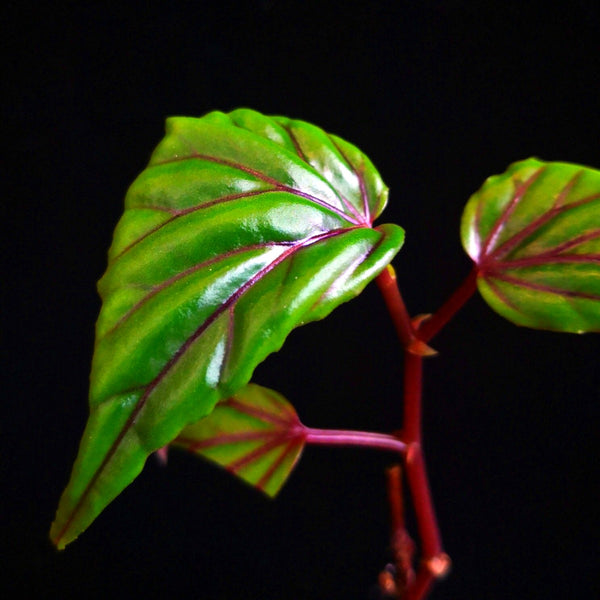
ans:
(408, 443)
(434, 562)
(465, 290)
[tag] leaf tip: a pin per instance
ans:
(57, 538)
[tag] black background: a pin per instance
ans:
(439, 95)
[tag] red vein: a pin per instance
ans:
(362, 218)
(349, 270)
(256, 454)
(225, 439)
(155, 207)
(282, 408)
(228, 340)
(173, 361)
(502, 295)
(477, 228)
(186, 273)
(586, 237)
(261, 414)
(177, 214)
(290, 447)
(508, 210)
(263, 177)
(284, 279)
(566, 190)
(363, 191)
(360, 176)
(295, 142)
(278, 187)
(540, 287)
(530, 229)
(547, 259)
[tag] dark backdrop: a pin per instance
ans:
(440, 95)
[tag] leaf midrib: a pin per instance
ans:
(194, 155)
(493, 256)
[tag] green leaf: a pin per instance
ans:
(534, 233)
(255, 434)
(241, 228)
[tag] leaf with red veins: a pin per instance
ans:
(255, 435)
(241, 228)
(534, 234)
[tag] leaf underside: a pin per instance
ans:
(256, 435)
(534, 234)
(241, 228)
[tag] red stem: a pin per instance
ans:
(465, 290)
(388, 286)
(401, 543)
(342, 437)
(416, 475)
(413, 377)
(435, 563)
(394, 485)
(421, 586)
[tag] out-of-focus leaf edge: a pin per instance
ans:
(255, 435)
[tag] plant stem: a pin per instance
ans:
(402, 545)
(434, 324)
(416, 474)
(413, 377)
(394, 488)
(421, 585)
(435, 563)
(342, 437)
(388, 286)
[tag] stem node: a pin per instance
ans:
(412, 451)
(439, 566)
(420, 348)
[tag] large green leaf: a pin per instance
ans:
(255, 434)
(241, 228)
(534, 233)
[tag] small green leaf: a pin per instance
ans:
(255, 434)
(534, 234)
(241, 228)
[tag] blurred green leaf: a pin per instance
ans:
(534, 233)
(241, 228)
(256, 435)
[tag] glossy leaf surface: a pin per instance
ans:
(256, 435)
(534, 233)
(241, 228)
